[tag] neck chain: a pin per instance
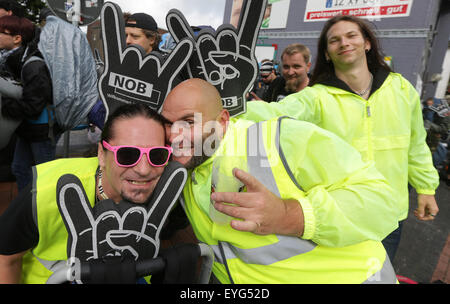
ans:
(362, 93)
(100, 186)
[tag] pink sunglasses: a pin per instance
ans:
(129, 156)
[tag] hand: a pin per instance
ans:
(226, 58)
(129, 75)
(124, 228)
(255, 97)
(261, 211)
(427, 208)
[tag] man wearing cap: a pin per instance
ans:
(296, 62)
(267, 74)
(141, 29)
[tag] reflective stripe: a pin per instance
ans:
(257, 160)
(386, 275)
(281, 153)
(286, 248)
(51, 265)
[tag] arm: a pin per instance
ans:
(11, 268)
(37, 92)
(304, 105)
(421, 173)
(346, 200)
(262, 211)
(18, 233)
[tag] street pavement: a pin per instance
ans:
(424, 250)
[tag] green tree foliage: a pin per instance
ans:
(32, 8)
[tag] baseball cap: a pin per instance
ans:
(143, 21)
(266, 67)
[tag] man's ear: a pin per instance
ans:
(101, 155)
(223, 119)
(17, 40)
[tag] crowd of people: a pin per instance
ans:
(315, 173)
(436, 113)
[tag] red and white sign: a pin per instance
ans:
(321, 10)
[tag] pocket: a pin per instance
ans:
(391, 142)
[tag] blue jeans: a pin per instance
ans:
(391, 242)
(28, 154)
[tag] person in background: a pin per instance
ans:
(43, 14)
(8, 8)
(11, 7)
(294, 69)
(267, 75)
(354, 94)
(36, 142)
(436, 119)
(141, 29)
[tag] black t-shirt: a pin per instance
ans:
(19, 232)
(276, 90)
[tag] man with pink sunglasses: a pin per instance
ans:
(90, 208)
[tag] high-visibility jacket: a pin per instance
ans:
(387, 129)
(51, 250)
(337, 192)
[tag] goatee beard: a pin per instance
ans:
(292, 85)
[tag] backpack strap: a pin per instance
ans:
(32, 59)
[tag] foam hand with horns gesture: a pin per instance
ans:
(124, 228)
(225, 58)
(129, 75)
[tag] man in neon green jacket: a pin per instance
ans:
(355, 96)
(328, 212)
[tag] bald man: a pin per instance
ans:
(300, 196)
(194, 120)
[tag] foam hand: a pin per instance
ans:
(131, 76)
(111, 229)
(225, 58)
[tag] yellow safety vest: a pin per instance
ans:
(51, 251)
(249, 258)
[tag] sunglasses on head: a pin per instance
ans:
(129, 156)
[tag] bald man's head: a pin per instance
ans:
(196, 95)
(194, 107)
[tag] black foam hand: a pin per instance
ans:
(109, 229)
(225, 58)
(129, 75)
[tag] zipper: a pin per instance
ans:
(368, 131)
(369, 114)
